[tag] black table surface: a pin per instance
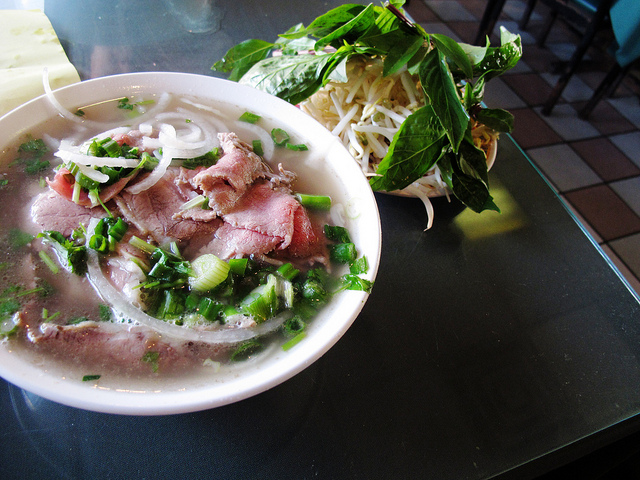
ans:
(493, 344)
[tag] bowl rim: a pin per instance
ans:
(324, 336)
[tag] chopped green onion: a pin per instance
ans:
(294, 325)
(90, 378)
(299, 147)
(99, 243)
(208, 271)
(294, 341)
(199, 201)
(318, 202)
(9, 326)
(209, 309)
(48, 262)
(229, 311)
(112, 148)
(279, 136)
(55, 315)
(262, 301)
(245, 350)
(249, 117)
(118, 229)
(238, 265)
(171, 305)
(257, 147)
(287, 271)
(141, 244)
(75, 196)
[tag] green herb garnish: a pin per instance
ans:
(31, 156)
(452, 76)
(71, 256)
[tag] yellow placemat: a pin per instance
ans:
(28, 43)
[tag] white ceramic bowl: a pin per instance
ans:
(274, 366)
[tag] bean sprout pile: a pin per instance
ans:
(367, 110)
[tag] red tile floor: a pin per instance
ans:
(593, 164)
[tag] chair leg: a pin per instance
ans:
(606, 87)
(526, 16)
(542, 38)
(489, 19)
(582, 48)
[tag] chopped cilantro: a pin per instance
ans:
(105, 313)
(30, 156)
(18, 238)
(151, 358)
(72, 257)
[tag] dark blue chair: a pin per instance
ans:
(591, 14)
(625, 22)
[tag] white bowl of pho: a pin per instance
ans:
(174, 242)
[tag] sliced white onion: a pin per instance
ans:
(145, 128)
(155, 175)
(90, 160)
(54, 101)
(113, 131)
(268, 146)
(115, 299)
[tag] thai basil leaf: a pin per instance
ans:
(291, 77)
(474, 53)
(415, 148)
(350, 31)
(496, 118)
(239, 59)
(398, 41)
(397, 3)
(293, 47)
(454, 52)
(472, 160)
(469, 189)
(443, 95)
(472, 192)
(498, 60)
(330, 21)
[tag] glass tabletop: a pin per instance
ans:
(489, 341)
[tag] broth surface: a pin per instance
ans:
(67, 296)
